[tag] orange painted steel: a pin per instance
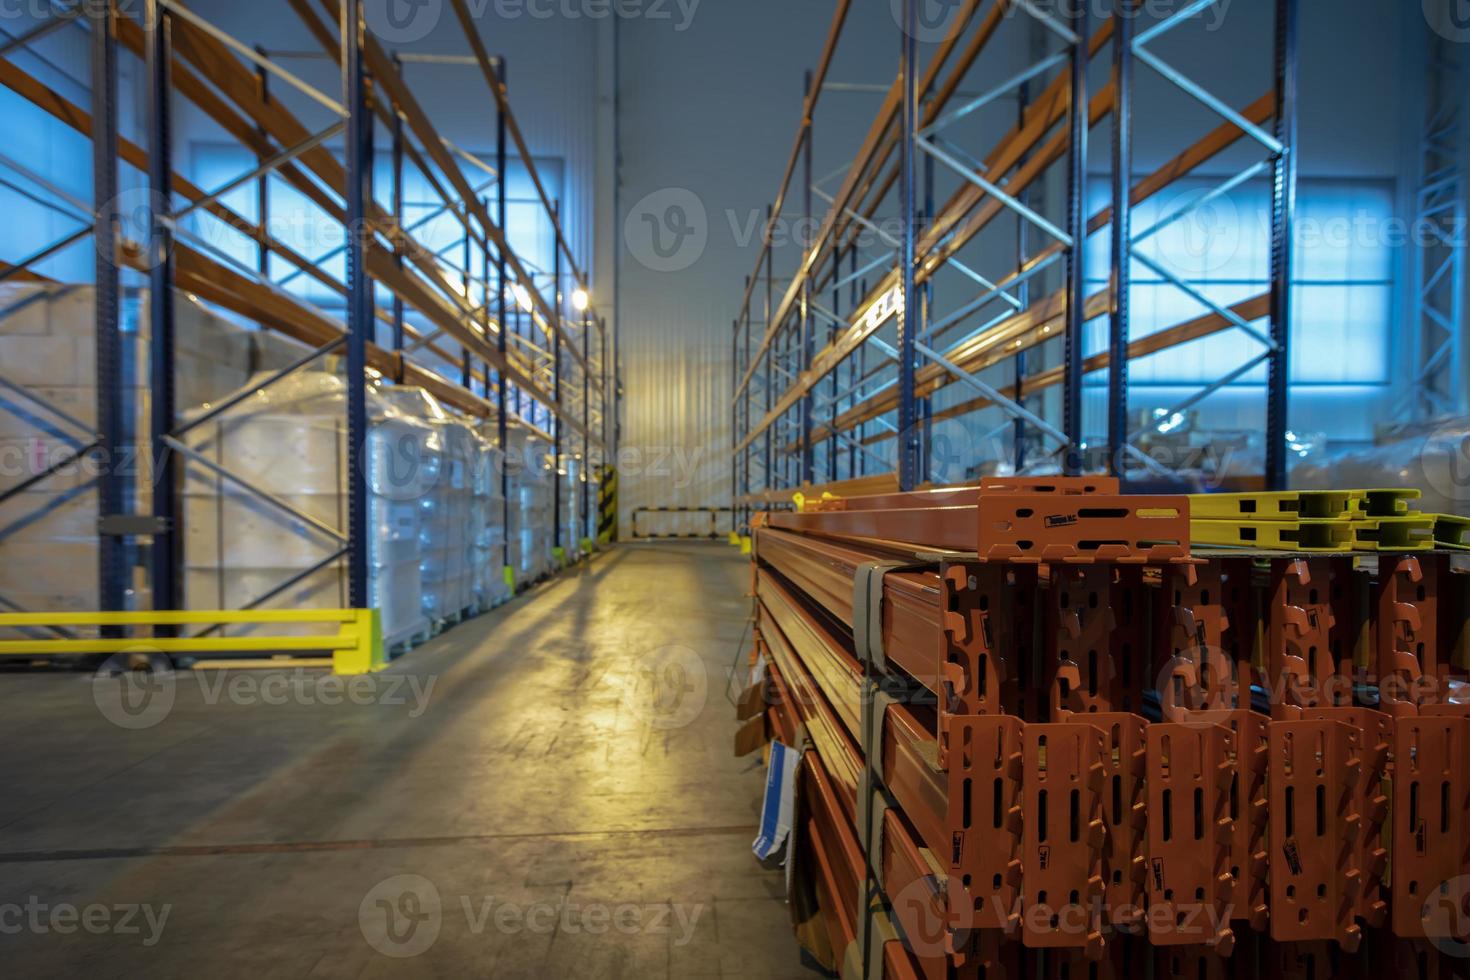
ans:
(1313, 769)
(1080, 773)
(1062, 837)
(1431, 824)
(1191, 766)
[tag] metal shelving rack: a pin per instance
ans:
(569, 379)
(808, 411)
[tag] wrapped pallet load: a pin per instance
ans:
(266, 536)
(529, 464)
(404, 463)
(445, 560)
(487, 528)
(571, 507)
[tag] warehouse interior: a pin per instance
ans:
(696, 488)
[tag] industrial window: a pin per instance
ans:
(300, 224)
(1342, 290)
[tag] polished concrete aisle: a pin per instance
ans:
(546, 791)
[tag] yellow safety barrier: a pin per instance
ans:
(356, 647)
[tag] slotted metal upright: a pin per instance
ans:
(1032, 315)
(380, 249)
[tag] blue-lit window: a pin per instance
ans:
(1342, 292)
(303, 226)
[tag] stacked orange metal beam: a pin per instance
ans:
(1030, 742)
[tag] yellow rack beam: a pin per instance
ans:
(1412, 533)
(1451, 531)
(356, 647)
(1264, 535)
(1293, 505)
(1387, 502)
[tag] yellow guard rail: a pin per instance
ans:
(356, 647)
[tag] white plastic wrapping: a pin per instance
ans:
(529, 465)
(445, 536)
(1434, 459)
(289, 440)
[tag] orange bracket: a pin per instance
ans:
(1124, 813)
(1248, 810)
(1190, 626)
(1374, 737)
(1190, 769)
(1135, 528)
(986, 617)
(1405, 633)
(1314, 771)
(985, 775)
(1062, 842)
(1299, 658)
(1431, 817)
(1082, 630)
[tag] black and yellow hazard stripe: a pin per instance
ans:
(607, 505)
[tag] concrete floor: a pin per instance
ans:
(522, 797)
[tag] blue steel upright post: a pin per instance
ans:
(359, 302)
(909, 309)
(112, 491)
(167, 550)
(1077, 231)
(1283, 215)
(1122, 231)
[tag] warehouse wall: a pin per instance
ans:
(708, 117)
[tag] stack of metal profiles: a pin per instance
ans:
(1041, 734)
